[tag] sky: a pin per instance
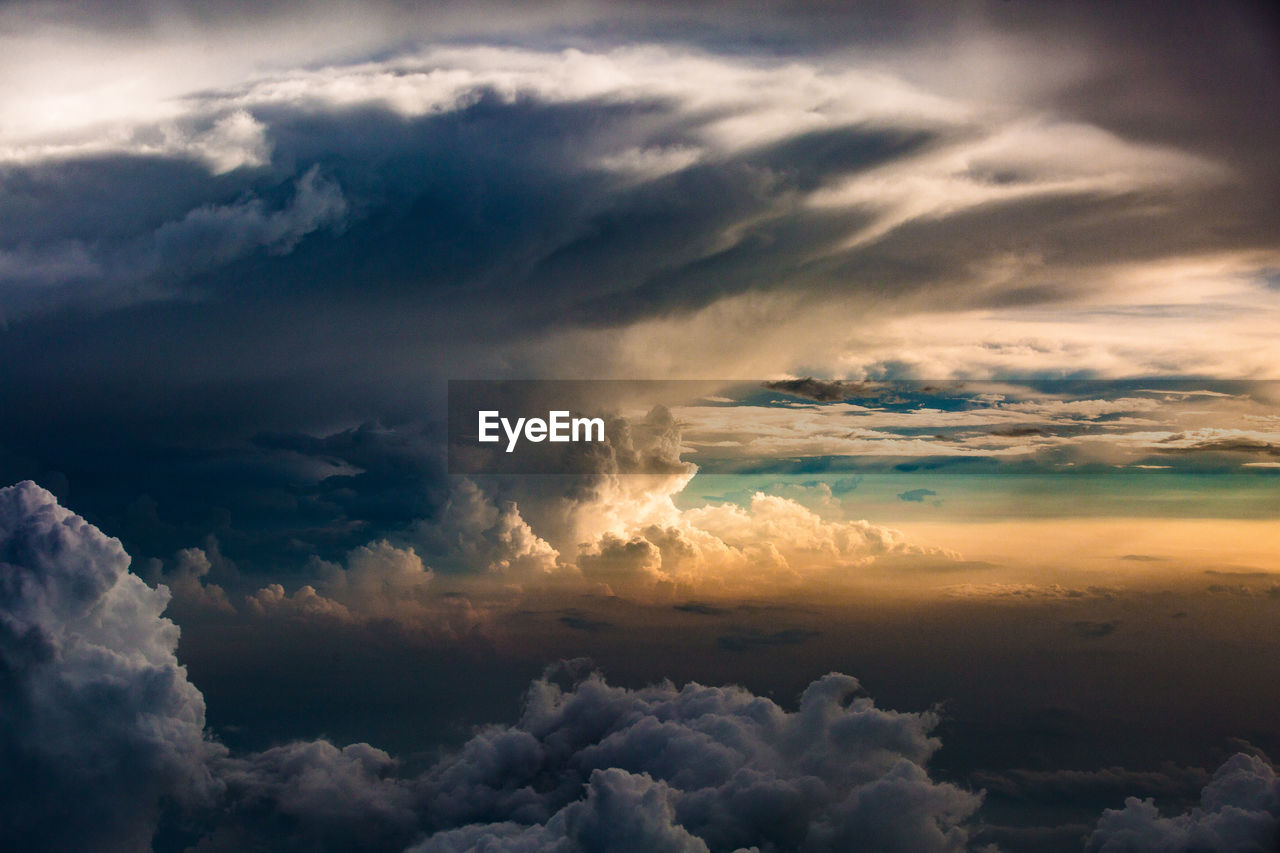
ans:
(936, 343)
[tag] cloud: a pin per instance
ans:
(213, 235)
(1239, 810)
(190, 593)
(1095, 628)
(744, 640)
(696, 768)
(916, 495)
(1028, 591)
(822, 390)
(1094, 787)
(314, 795)
(317, 222)
(98, 709)
(624, 533)
(621, 811)
(95, 709)
(1222, 441)
(700, 608)
(475, 533)
(581, 622)
(378, 583)
(154, 260)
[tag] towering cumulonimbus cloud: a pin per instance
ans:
(99, 725)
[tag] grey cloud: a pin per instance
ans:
(592, 767)
(95, 709)
(98, 711)
(732, 769)
(317, 796)
(211, 236)
(1021, 432)
(621, 811)
(1095, 787)
(92, 250)
(581, 622)
(823, 390)
(1239, 811)
(749, 639)
(700, 608)
(1095, 628)
(312, 289)
(916, 495)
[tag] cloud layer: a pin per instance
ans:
(99, 712)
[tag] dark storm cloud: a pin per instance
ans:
(293, 253)
(269, 497)
(465, 221)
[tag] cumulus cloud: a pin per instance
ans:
(379, 582)
(186, 578)
(476, 533)
(99, 726)
(1239, 811)
(591, 766)
(317, 796)
(620, 530)
(617, 527)
(99, 712)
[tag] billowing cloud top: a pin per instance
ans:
(98, 712)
